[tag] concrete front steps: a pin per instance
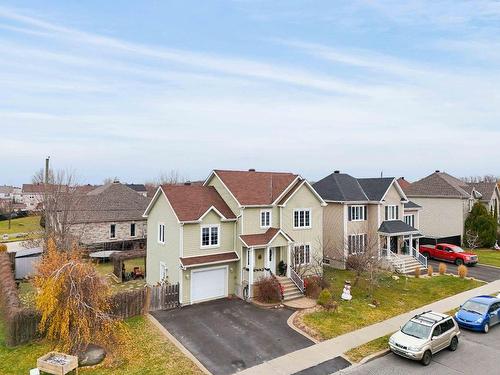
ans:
(410, 264)
(290, 290)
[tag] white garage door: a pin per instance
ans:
(208, 283)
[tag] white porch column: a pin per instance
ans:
(266, 261)
(289, 260)
(250, 271)
(411, 244)
(388, 246)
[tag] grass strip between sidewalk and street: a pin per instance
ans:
(357, 354)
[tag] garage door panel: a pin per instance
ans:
(208, 284)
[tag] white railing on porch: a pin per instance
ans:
(421, 259)
(297, 280)
(398, 263)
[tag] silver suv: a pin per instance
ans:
(425, 335)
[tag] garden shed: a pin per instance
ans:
(119, 270)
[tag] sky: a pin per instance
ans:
(133, 89)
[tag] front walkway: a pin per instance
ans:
(312, 356)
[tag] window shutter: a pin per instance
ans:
(397, 212)
(349, 213)
(386, 212)
(365, 208)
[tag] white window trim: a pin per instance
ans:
(211, 246)
(163, 267)
(270, 218)
(411, 220)
(362, 212)
(389, 211)
(110, 226)
(161, 240)
(295, 252)
(310, 218)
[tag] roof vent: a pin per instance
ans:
(438, 171)
(336, 172)
(116, 181)
(187, 183)
(251, 170)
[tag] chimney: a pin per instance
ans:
(116, 181)
(336, 172)
(47, 160)
(187, 183)
(251, 170)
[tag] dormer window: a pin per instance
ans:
(265, 218)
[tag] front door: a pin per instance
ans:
(272, 260)
(394, 244)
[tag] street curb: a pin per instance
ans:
(179, 346)
(297, 329)
(374, 356)
(488, 265)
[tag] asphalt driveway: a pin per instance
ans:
(227, 336)
(480, 272)
(477, 353)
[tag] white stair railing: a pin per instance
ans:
(297, 280)
(421, 258)
(398, 263)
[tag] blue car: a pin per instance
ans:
(479, 313)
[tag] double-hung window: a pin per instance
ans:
(302, 218)
(410, 220)
(161, 233)
(112, 231)
(392, 212)
(356, 243)
(357, 213)
(265, 218)
(302, 254)
(210, 235)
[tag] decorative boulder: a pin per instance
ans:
(93, 355)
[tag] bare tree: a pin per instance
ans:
(472, 239)
(485, 178)
(172, 177)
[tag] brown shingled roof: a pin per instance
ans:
(261, 239)
(256, 188)
(190, 202)
(438, 184)
(207, 259)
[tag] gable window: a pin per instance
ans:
(163, 272)
(392, 212)
(410, 220)
(161, 233)
(302, 254)
(132, 229)
(112, 231)
(265, 218)
(357, 213)
(356, 243)
(210, 235)
(302, 218)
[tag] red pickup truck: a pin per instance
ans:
(448, 253)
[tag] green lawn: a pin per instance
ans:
(394, 297)
(145, 351)
(22, 225)
(488, 256)
(357, 354)
(107, 268)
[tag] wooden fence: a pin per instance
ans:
(163, 297)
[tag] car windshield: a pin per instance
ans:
(476, 307)
(417, 330)
(457, 249)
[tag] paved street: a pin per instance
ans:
(478, 271)
(477, 353)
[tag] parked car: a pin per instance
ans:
(448, 253)
(479, 313)
(425, 335)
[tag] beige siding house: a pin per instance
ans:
(447, 202)
(220, 238)
(367, 214)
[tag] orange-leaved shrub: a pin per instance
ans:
(462, 271)
(442, 268)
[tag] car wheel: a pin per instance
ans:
(459, 262)
(453, 344)
(426, 358)
(486, 328)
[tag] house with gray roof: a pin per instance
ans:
(447, 201)
(367, 214)
(108, 217)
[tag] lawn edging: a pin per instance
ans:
(177, 343)
(291, 323)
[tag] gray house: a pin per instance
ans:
(108, 218)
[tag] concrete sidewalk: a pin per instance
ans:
(316, 354)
